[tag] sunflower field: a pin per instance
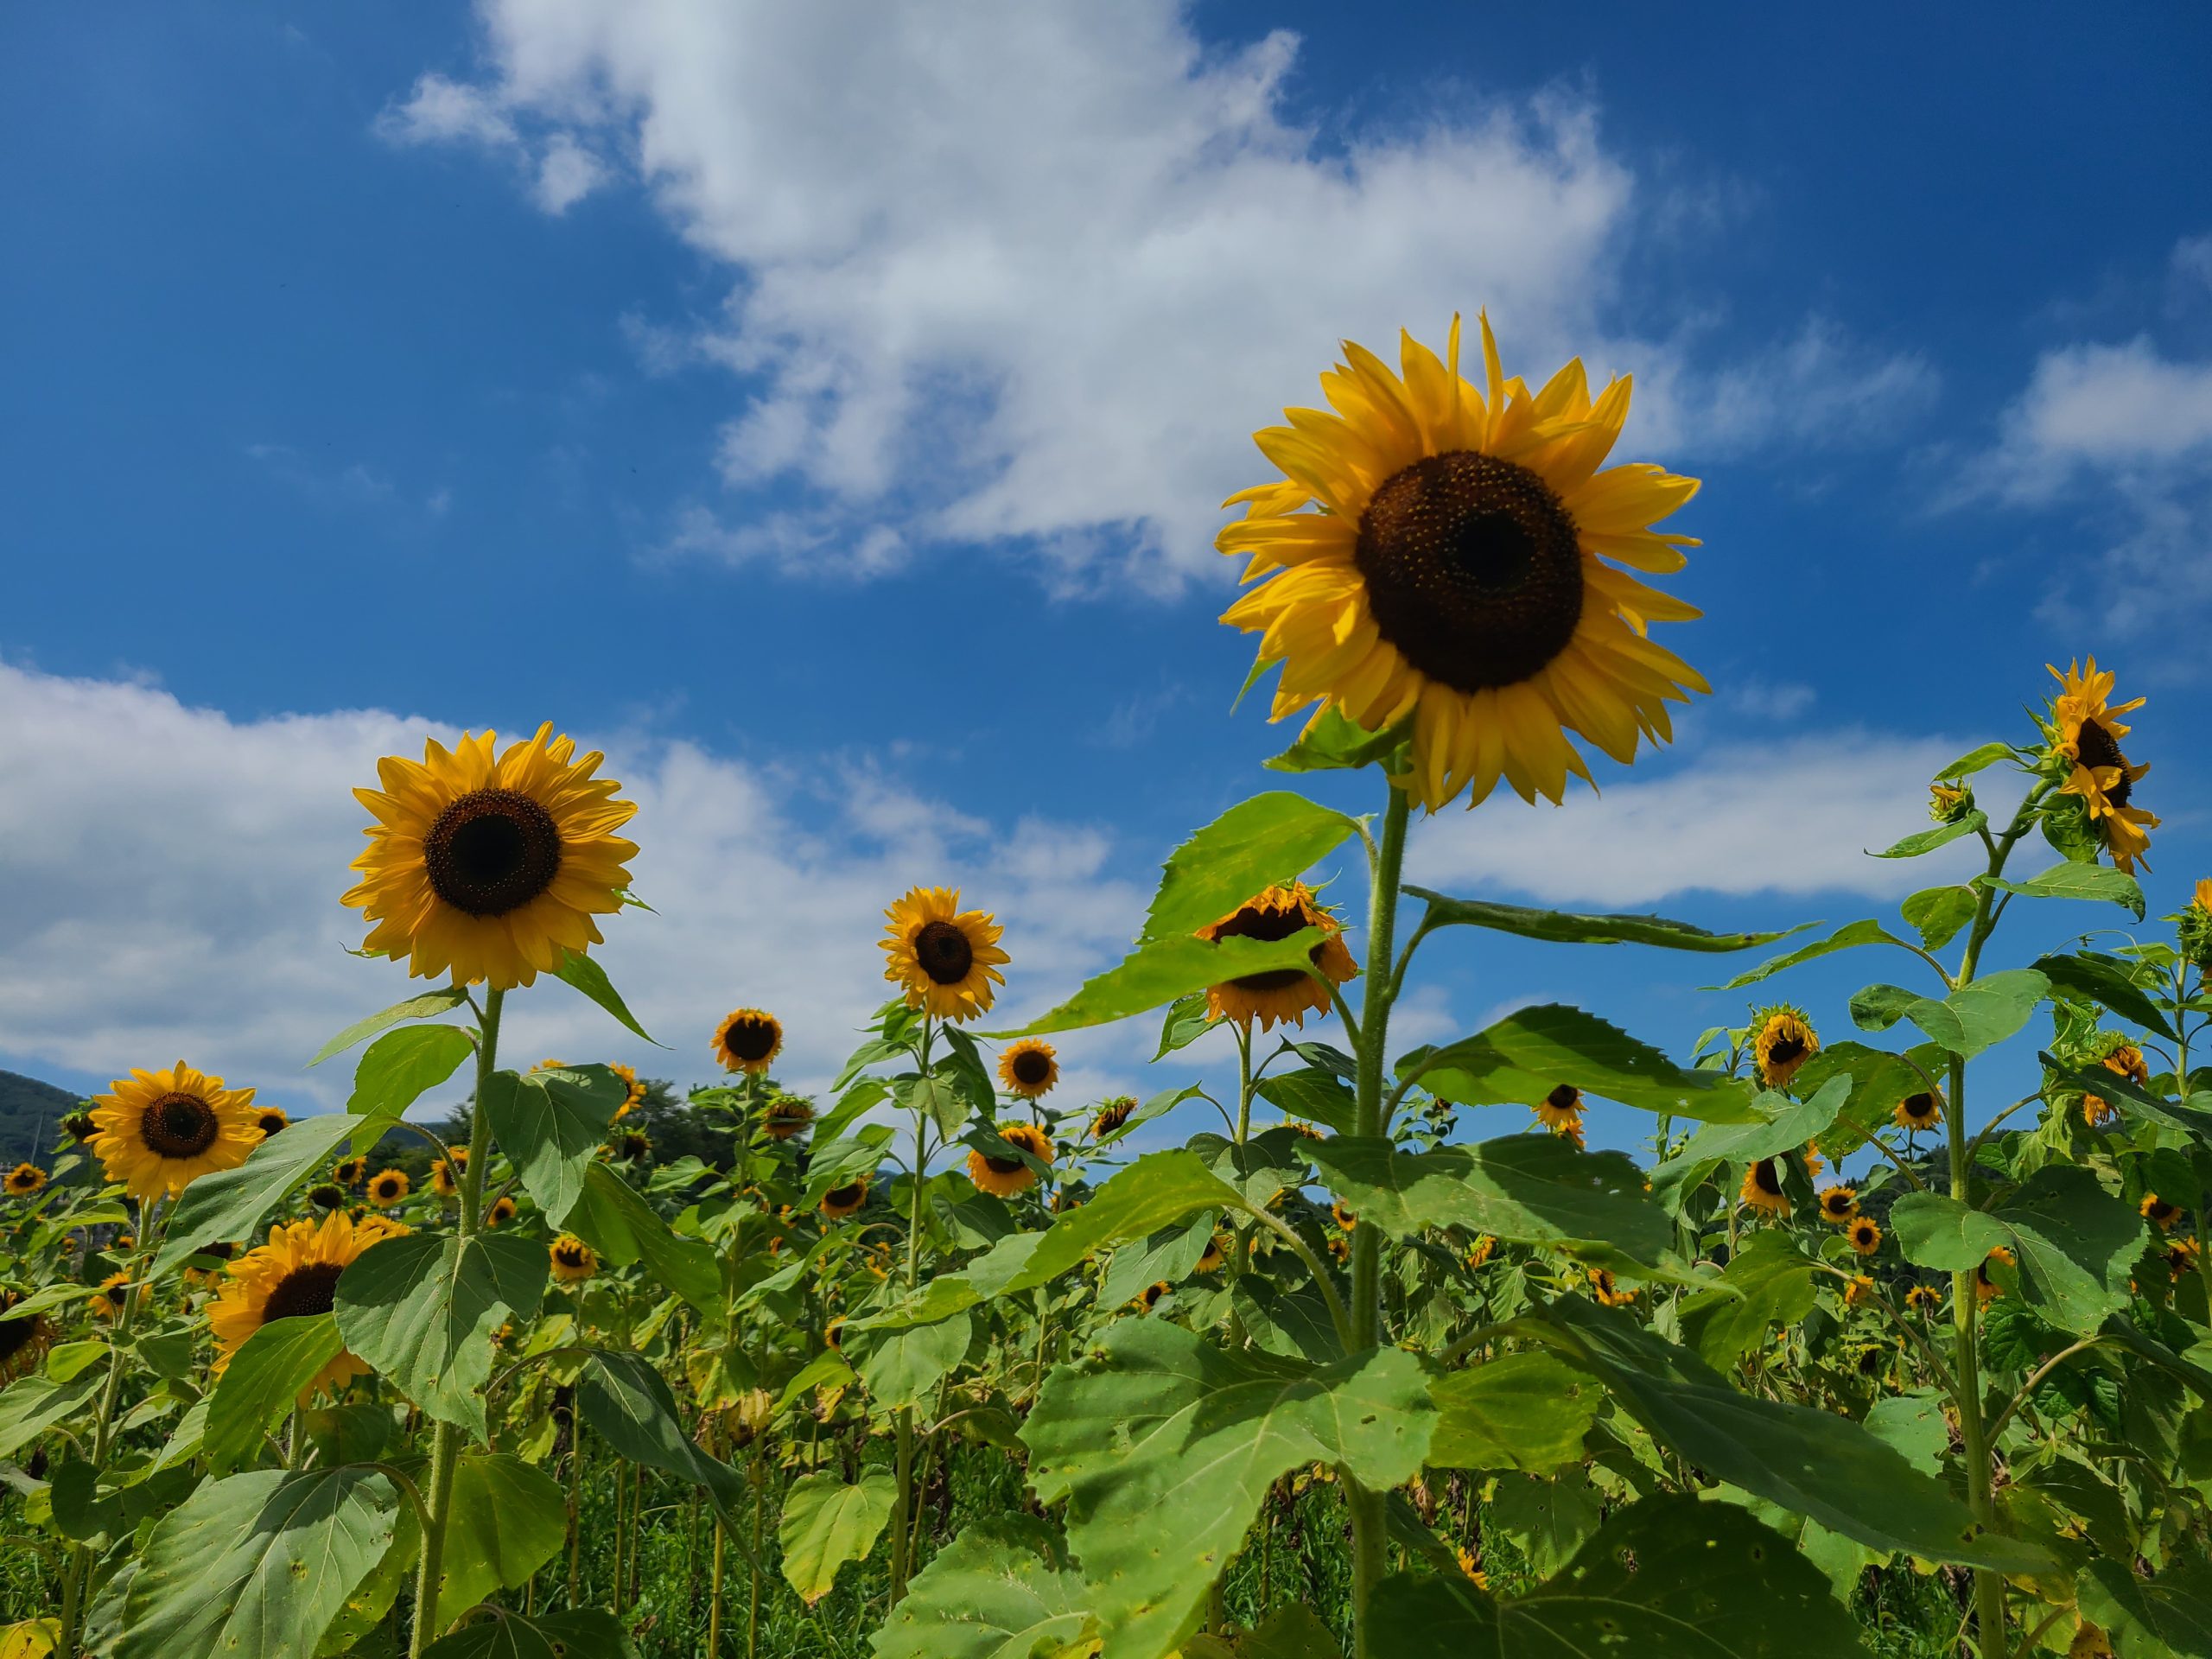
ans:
(1855, 1355)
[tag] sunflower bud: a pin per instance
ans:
(1949, 803)
(2193, 927)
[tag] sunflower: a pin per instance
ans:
(1480, 1251)
(80, 1128)
(1029, 1068)
(833, 1334)
(1986, 1289)
(1839, 1205)
(502, 1209)
(1339, 1246)
(2181, 1257)
(2193, 927)
(1455, 571)
(1762, 1188)
(374, 1230)
(634, 1092)
(327, 1195)
(1923, 1298)
(1302, 1129)
(1006, 1176)
(1560, 1110)
(293, 1276)
(1115, 1113)
(2085, 730)
(1467, 1568)
(1285, 994)
(1343, 1216)
(1785, 1041)
(24, 1179)
(1148, 1298)
(747, 1039)
(1216, 1253)
(349, 1172)
(24, 1338)
(1922, 1110)
(573, 1260)
(446, 1173)
(1949, 803)
(215, 1255)
(112, 1296)
(271, 1120)
(787, 1115)
(490, 868)
(631, 1146)
(159, 1130)
(1865, 1237)
(2158, 1212)
(388, 1188)
(946, 958)
(849, 1199)
(1858, 1288)
(1608, 1294)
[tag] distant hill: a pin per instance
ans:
(29, 1111)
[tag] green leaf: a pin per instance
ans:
(614, 1220)
(2106, 980)
(446, 997)
(1914, 1424)
(1526, 1411)
(1847, 937)
(1164, 1446)
(230, 1203)
(1810, 1461)
(1969, 1021)
(2093, 881)
(587, 976)
(1769, 1282)
(856, 1158)
(625, 1400)
(902, 1366)
(2074, 1242)
(1550, 1520)
(2193, 1116)
(1159, 1190)
(1187, 1021)
(263, 1381)
(1156, 1106)
(257, 1563)
(1668, 1577)
(2148, 1618)
(1566, 927)
(1312, 1092)
(1941, 836)
(1937, 913)
(401, 1066)
(1256, 844)
(827, 1523)
(1523, 1058)
(1779, 1124)
(421, 1310)
(1876, 1080)
(1973, 761)
(1334, 743)
(1532, 1188)
(1159, 971)
(507, 1519)
(851, 1105)
(1003, 1589)
(551, 1123)
(31, 1405)
(587, 1633)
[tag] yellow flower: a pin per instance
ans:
(1115, 1113)
(490, 868)
(573, 1260)
(1029, 1068)
(2086, 732)
(1216, 1253)
(634, 1092)
(848, 1200)
(1839, 1205)
(1342, 1214)
(631, 1146)
(1948, 803)
(946, 958)
(159, 1130)
(748, 1040)
(1455, 571)
(347, 1172)
(1986, 1289)
(1285, 994)
(445, 1176)
(1923, 1298)
(1467, 1567)
(2158, 1212)
(1858, 1288)
(833, 1334)
(1601, 1284)
(389, 1188)
(1005, 1176)
(112, 1296)
(2182, 1256)
(1924, 1110)
(24, 1338)
(373, 1228)
(1785, 1041)
(1865, 1237)
(2126, 1060)
(502, 1209)
(1560, 1110)
(24, 1179)
(1762, 1188)
(295, 1276)
(787, 1115)
(1479, 1252)
(1148, 1298)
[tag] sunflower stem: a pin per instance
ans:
(902, 1541)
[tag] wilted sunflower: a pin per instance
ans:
(2089, 1642)
(1784, 1042)
(349, 1172)
(80, 1128)
(271, 1120)
(849, 1199)
(1115, 1113)
(1986, 1289)
(1609, 1295)
(1285, 994)
(787, 1115)
(327, 1195)
(1924, 1110)
(1858, 1288)
(24, 1338)
(631, 1146)
(1561, 1110)
(747, 1039)
(1342, 1214)
(24, 1179)
(446, 1173)
(159, 1130)
(2085, 732)
(1865, 1237)
(1455, 573)
(502, 1209)
(1762, 1188)
(1004, 1177)
(2156, 1210)
(112, 1296)
(1839, 1205)
(293, 1276)
(1923, 1299)
(2182, 1256)
(1029, 1068)
(490, 868)
(1216, 1253)
(945, 958)
(388, 1188)
(573, 1260)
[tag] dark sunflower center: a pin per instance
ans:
(1768, 1177)
(1786, 1050)
(387, 1189)
(567, 1257)
(1837, 1203)
(2099, 749)
(844, 1197)
(1565, 1098)
(1473, 569)
(1267, 925)
(1921, 1105)
(270, 1123)
(491, 851)
(2159, 1210)
(750, 1039)
(1003, 1166)
(1032, 1067)
(304, 1292)
(178, 1126)
(16, 1335)
(220, 1250)
(944, 952)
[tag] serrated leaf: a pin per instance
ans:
(400, 1066)
(420, 1310)
(625, 1400)
(1849, 936)
(1779, 1124)
(2106, 980)
(1941, 836)
(1970, 1021)
(505, 1521)
(229, 1203)
(2098, 882)
(614, 1220)
(586, 1633)
(1524, 1411)
(584, 974)
(902, 1365)
(551, 1124)
(1312, 1092)
(1186, 1021)
(1569, 927)
(31, 1405)
(827, 1523)
(1524, 1057)
(1003, 1589)
(2169, 1614)
(1937, 913)
(2074, 1243)
(261, 1384)
(1769, 1282)
(1256, 844)
(427, 1005)
(1974, 760)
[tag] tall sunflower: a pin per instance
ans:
(1284, 993)
(945, 957)
(159, 1130)
(1783, 1041)
(25, 1179)
(295, 1276)
(1455, 572)
(748, 1040)
(2085, 733)
(488, 867)
(1920, 1110)
(1029, 1068)
(1004, 1177)
(1560, 1110)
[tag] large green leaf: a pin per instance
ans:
(587, 1633)
(261, 1383)
(421, 1310)
(827, 1523)
(2094, 881)
(1566, 927)
(901, 1367)
(614, 1219)
(1159, 1190)
(585, 975)
(1847, 937)
(1769, 1282)
(1523, 1058)
(1926, 840)
(1001, 1590)
(1526, 1411)
(1164, 1446)
(229, 1203)
(551, 1124)
(1810, 1461)
(2150, 1619)
(2108, 980)
(400, 1066)
(429, 1003)
(2074, 1243)
(1533, 1189)
(1161, 970)
(2193, 1116)
(1256, 844)
(1877, 1081)
(1779, 1124)
(841, 1163)
(258, 1563)
(31, 1405)
(1312, 1092)
(1547, 1520)
(506, 1519)
(1669, 1577)
(625, 1400)
(1976, 1017)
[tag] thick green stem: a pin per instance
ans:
(715, 1593)
(445, 1440)
(902, 1522)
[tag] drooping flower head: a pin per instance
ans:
(160, 1130)
(1111, 1115)
(840, 1202)
(1284, 993)
(748, 1040)
(572, 1260)
(1920, 1110)
(1560, 1111)
(2085, 731)
(1783, 1041)
(785, 1116)
(945, 958)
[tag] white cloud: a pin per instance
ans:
(567, 173)
(1032, 271)
(2115, 410)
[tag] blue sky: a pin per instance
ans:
(831, 427)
